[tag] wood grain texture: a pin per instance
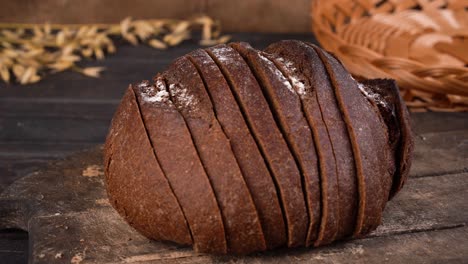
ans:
(243, 15)
(261, 15)
(13, 250)
(440, 153)
(429, 209)
(89, 11)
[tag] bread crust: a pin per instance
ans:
(399, 124)
(244, 147)
(180, 163)
(136, 185)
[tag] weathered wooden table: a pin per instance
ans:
(64, 208)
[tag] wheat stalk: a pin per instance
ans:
(28, 52)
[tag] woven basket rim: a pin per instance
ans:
(419, 43)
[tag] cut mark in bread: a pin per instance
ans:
(256, 112)
(243, 230)
(176, 154)
(335, 125)
(286, 106)
(330, 217)
(245, 149)
(136, 185)
(369, 144)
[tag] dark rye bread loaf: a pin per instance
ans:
(238, 150)
(136, 185)
(272, 144)
(180, 163)
(300, 55)
(286, 106)
(251, 162)
(243, 230)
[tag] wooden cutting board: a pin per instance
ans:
(66, 212)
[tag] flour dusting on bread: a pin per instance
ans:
(278, 73)
(182, 95)
(297, 83)
(152, 94)
(375, 97)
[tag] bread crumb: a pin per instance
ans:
(151, 95)
(102, 201)
(93, 171)
(78, 258)
(181, 95)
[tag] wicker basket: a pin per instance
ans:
(422, 44)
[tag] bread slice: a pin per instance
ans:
(180, 163)
(286, 106)
(270, 140)
(393, 110)
(136, 185)
(244, 147)
(302, 56)
(308, 91)
(243, 230)
(369, 140)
